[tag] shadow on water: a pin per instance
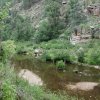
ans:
(57, 80)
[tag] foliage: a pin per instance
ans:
(18, 29)
(9, 91)
(89, 53)
(50, 28)
(3, 14)
(28, 3)
(68, 32)
(57, 49)
(60, 64)
(4, 2)
(13, 88)
(57, 54)
(93, 56)
(43, 32)
(80, 55)
(25, 47)
(8, 49)
(74, 13)
(52, 9)
(56, 44)
(7, 78)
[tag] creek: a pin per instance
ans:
(76, 80)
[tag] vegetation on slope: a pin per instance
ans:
(52, 35)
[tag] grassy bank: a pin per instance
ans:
(61, 49)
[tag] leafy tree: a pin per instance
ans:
(52, 12)
(43, 32)
(75, 15)
(3, 15)
(18, 29)
(4, 2)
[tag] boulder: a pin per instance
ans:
(64, 1)
(31, 77)
(84, 86)
(38, 52)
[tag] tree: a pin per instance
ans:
(4, 2)
(43, 32)
(92, 56)
(49, 28)
(75, 14)
(52, 12)
(18, 29)
(3, 15)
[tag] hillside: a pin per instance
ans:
(49, 49)
(36, 11)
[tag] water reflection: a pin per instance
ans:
(57, 80)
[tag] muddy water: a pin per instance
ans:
(57, 80)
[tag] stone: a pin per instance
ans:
(64, 2)
(97, 67)
(31, 77)
(84, 86)
(76, 71)
(38, 52)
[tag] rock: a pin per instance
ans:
(94, 10)
(64, 2)
(32, 78)
(38, 52)
(84, 86)
(76, 71)
(96, 67)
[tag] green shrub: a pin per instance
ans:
(18, 29)
(43, 32)
(75, 16)
(56, 44)
(9, 90)
(80, 55)
(60, 64)
(92, 56)
(8, 49)
(56, 54)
